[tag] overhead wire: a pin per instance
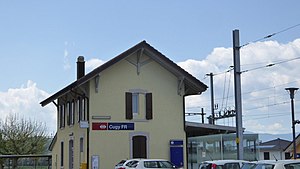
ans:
(271, 35)
(207, 107)
(261, 67)
(270, 64)
(253, 91)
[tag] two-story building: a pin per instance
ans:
(274, 150)
(130, 107)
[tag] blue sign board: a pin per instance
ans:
(120, 126)
(176, 142)
(176, 152)
(112, 126)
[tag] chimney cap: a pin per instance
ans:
(80, 59)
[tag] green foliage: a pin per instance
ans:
(22, 136)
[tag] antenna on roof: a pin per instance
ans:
(210, 157)
(275, 157)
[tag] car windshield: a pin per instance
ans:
(209, 166)
(231, 166)
(248, 166)
(264, 166)
(121, 163)
(132, 164)
(292, 166)
(157, 164)
(205, 166)
(166, 164)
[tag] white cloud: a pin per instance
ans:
(24, 101)
(266, 105)
(92, 64)
(68, 52)
(274, 128)
(265, 100)
(67, 65)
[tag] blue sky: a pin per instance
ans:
(40, 40)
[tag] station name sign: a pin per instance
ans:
(112, 126)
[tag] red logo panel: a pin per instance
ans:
(99, 126)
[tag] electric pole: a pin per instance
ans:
(292, 91)
(237, 94)
(212, 97)
(202, 115)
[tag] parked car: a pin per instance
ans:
(154, 164)
(127, 164)
(222, 164)
(249, 165)
(278, 164)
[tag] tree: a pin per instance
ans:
(20, 136)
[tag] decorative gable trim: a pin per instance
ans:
(192, 85)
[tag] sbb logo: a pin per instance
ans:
(99, 126)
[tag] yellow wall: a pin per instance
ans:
(167, 122)
(65, 134)
(109, 101)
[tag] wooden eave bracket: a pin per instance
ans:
(180, 85)
(97, 78)
(55, 103)
(138, 64)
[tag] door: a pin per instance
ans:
(139, 147)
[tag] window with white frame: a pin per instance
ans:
(68, 113)
(72, 112)
(61, 111)
(78, 108)
(83, 109)
(135, 104)
(138, 105)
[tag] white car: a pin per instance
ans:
(278, 164)
(153, 164)
(127, 164)
(222, 164)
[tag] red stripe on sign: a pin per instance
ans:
(99, 126)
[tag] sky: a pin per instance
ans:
(40, 41)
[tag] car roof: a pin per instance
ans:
(154, 160)
(277, 161)
(224, 161)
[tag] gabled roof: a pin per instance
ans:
(274, 145)
(290, 147)
(193, 86)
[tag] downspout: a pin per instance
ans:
(186, 136)
(56, 104)
(88, 129)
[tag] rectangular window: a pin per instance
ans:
(83, 109)
(138, 105)
(72, 112)
(63, 115)
(135, 104)
(266, 156)
(81, 144)
(287, 156)
(61, 111)
(78, 108)
(60, 115)
(68, 111)
(61, 154)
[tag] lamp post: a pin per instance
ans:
(292, 91)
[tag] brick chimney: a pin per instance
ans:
(80, 67)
